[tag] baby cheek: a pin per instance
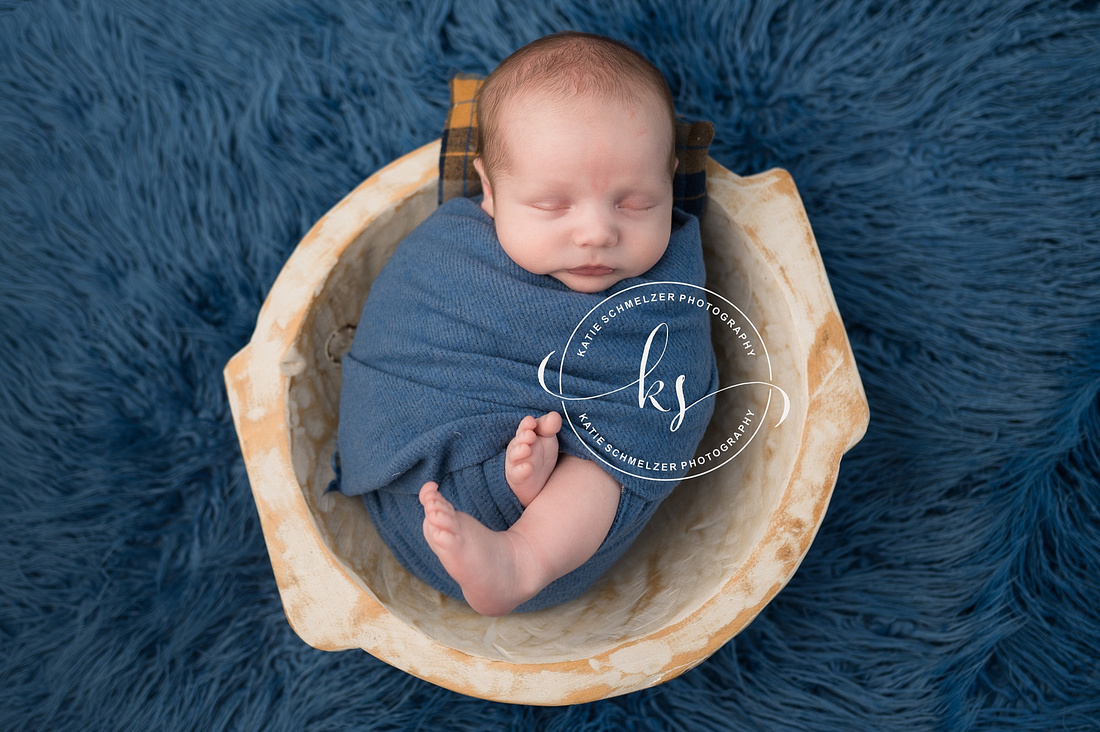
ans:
(509, 229)
(658, 242)
(522, 245)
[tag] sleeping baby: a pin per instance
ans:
(448, 428)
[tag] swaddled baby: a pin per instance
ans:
(455, 388)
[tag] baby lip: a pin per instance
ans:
(592, 269)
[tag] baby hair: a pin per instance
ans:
(567, 66)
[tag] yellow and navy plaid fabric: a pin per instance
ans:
(457, 176)
(689, 182)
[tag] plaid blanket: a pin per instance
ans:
(457, 176)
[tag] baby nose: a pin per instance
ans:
(595, 229)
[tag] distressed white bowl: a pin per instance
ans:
(716, 553)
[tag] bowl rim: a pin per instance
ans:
(258, 382)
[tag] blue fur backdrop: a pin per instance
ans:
(160, 160)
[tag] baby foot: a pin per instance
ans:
(494, 569)
(532, 455)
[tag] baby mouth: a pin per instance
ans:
(591, 270)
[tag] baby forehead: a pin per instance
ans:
(541, 114)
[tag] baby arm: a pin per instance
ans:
(561, 528)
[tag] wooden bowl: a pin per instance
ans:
(718, 550)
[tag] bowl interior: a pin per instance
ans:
(701, 538)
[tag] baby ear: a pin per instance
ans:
(486, 187)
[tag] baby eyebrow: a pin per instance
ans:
(636, 199)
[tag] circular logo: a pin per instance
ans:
(654, 345)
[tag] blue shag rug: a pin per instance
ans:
(160, 160)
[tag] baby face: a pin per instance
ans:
(585, 195)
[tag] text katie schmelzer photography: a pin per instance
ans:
(690, 299)
(656, 305)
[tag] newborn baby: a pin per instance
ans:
(448, 428)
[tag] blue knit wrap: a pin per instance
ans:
(445, 364)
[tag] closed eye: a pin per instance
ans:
(549, 206)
